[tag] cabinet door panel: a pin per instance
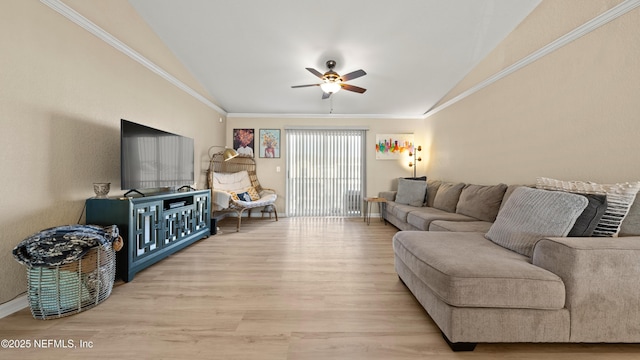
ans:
(146, 229)
(178, 224)
(202, 212)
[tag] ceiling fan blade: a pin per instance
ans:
(353, 88)
(301, 86)
(315, 72)
(353, 75)
(325, 95)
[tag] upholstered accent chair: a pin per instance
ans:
(235, 187)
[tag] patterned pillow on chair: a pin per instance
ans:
(248, 195)
(253, 193)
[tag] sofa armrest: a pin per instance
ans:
(388, 195)
(602, 284)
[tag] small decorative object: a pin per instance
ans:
(101, 189)
(414, 163)
(393, 146)
(243, 141)
(269, 143)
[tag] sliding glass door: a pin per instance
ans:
(325, 172)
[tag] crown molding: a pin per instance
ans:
(94, 29)
(576, 33)
(324, 116)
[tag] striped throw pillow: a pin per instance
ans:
(620, 197)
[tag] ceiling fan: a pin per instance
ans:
(333, 82)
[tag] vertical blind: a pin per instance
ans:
(325, 172)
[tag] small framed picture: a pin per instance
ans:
(243, 141)
(269, 143)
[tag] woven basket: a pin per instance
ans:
(64, 290)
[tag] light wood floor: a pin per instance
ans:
(292, 289)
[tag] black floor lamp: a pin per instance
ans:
(414, 163)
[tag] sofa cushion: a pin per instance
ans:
(432, 190)
(590, 217)
(237, 182)
(447, 196)
(460, 226)
(400, 211)
(411, 192)
(509, 191)
(481, 202)
(631, 223)
(620, 197)
(466, 270)
(422, 217)
(532, 214)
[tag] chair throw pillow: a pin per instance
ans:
(411, 192)
(249, 194)
(253, 193)
(620, 197)
(533, 214)
(241, 196)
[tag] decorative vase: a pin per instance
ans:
(101, 189)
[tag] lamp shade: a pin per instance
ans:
(229, 154)
(330, 87)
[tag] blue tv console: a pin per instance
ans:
(152, 227)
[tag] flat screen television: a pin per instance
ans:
(152, 158)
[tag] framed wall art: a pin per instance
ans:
(393, 146)
(269, 143)
(243, 141)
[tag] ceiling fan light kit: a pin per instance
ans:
(330, 87)
(333, 82)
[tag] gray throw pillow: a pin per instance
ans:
(590, 217)
(481, 202)
(447, 196)
(533, 214)
(411, 192)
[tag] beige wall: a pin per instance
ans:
(380, 173)
(572, 114)
(62, 94)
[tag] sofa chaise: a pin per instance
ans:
(494, 264)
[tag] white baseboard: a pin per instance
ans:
(14, 305)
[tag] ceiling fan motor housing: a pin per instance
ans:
(331, 76)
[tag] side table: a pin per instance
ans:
(382, 206)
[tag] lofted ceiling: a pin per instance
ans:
(248, 53)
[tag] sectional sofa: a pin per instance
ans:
(494, 264)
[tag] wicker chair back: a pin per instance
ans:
(237, 164)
